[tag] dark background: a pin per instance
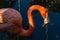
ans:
(39, 32)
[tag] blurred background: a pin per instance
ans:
(40, 32)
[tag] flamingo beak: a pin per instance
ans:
(46, 20)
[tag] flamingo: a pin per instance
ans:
(11, 20)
